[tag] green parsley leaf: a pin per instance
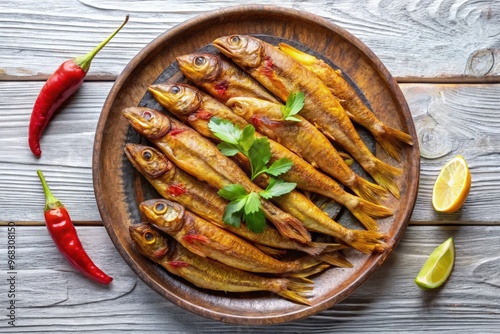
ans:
(224, 130)
(256, 222)
(279, 167)
(252, 204)
(247, 137)
(228, 149)
(232, 192)
(294, 104)
(277, 187)
(259, 155)
(232, 215)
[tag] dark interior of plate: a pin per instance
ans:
(119, 188)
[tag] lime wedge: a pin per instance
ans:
(437, 268)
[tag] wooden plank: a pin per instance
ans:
(52, 297)
(446, 41)
(450, 120)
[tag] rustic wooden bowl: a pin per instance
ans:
(118, 188)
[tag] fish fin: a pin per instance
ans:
(190, 242)
(366, 241)
(274, 252)
(304, 274)
(366, 212)
(335, 259)
(331, 247)
(392, 139)
(370, 191)
(301, 57)
(384, 174)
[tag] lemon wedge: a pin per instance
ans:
(437, 268)
(452, 186)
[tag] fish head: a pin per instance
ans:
(150, 123)
(200, 66)
(149, 241)
(244, 50)
(180, 99)
(163, 214)
(147, 160)
(244, 106)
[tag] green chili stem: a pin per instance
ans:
(51, 202)
(85, 60)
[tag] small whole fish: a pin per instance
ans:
(174, 184)
(209, 274)
(282, 75)
(389, 138)
(220, 78)
(207, 240)
(211, 72)
(306, 140)
(199, 157)
(187, 102)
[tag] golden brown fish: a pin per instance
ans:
(176, 185)
(282, 75)
(209, 274)
(220, 78)
(304, 139)
(207, 240)
(389, 138)
(199, 157)
(187, 103)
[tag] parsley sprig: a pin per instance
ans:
(246, 206)
(294, 104)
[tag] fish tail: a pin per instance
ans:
(304, 274)
(366, 212)
(291, 295)
(335, 259)
(366, 241)
(274, 252)
(334, 247)
(368, 190)
(296, 291)
(392, 139)
(286, 224)
(312, 248)
(385, 174)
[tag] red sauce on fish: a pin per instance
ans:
(175, 132)
(178, 264)
(221, 87)
(267, 69)
(262, 120)
(176, 190)
(200, 114)
(195, 237)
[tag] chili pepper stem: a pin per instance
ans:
(51, 202)
(84, 61)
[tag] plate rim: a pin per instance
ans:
(142, 56)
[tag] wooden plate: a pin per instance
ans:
(117, 186)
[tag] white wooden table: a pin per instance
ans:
(445, 54)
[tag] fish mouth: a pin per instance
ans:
(221, 45)
(148, 122)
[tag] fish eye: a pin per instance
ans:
(199, 61)
(149, 237)
(160, 208)
(147, 155)
(147, 115)
(175, 89)
(235, 40)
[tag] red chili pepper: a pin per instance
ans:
(64, 234)
(60, 86)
